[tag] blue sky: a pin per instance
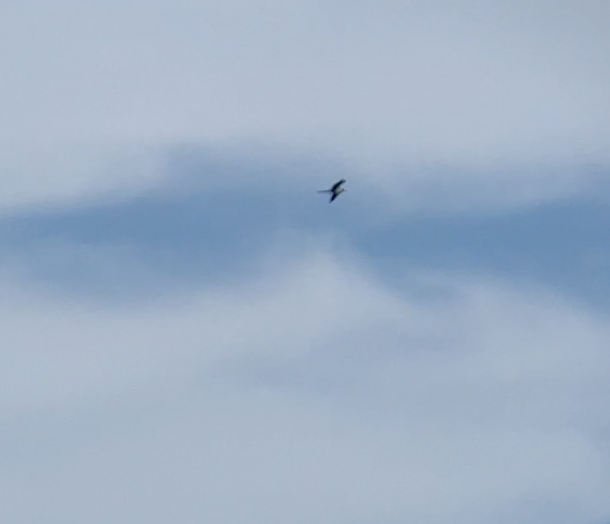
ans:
(191, 333)
(196, 236)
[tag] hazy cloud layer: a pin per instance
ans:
(50, 178)
(311, 393)
(466, 81)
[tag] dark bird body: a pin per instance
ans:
(335, 190)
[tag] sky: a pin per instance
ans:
(190, 333)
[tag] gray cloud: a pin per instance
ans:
(468, 82)
(485, 402)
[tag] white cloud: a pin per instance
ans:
(40, 177)
(311, 394)
(508, 96)
(37, 175)
(467, 81)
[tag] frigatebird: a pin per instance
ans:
(335, 190)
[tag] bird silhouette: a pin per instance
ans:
(335, 190)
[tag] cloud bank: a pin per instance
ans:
(312, 392)
(465, 82)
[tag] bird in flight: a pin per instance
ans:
(335, 190)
